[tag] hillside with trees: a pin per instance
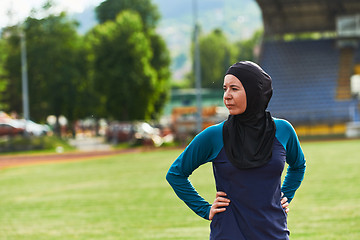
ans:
(237, 19)
(118, 70)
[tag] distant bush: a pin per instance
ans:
(31, 143)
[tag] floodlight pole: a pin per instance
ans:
(24, 76)
(197, 69)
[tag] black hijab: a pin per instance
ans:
(249, 136)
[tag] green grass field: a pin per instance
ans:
(127, 197)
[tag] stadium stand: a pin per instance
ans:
(311, 78)
(305, 80)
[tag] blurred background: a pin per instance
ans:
(128, 83)
(99, 75)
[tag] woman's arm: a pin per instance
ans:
(286, 134)
(295, 159)
(204, 147)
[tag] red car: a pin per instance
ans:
(10, 129)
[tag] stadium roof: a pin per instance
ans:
(297, 16)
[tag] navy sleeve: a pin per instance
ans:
(204, 148)
(294, 157)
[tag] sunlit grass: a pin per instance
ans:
(127, 197)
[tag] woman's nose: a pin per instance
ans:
(227, 95)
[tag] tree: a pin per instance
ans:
(123, 75)
(3, 74)
(157, 63)
(109, 9)
(55, 67)
(160, 61)
(52, 46)
(12, 98)
(246, 47)
(216, 56)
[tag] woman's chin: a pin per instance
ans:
(234, 112)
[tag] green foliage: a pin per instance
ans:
(33, 144)
(121, 62)
(109, 9)
(12, 66)
(160, 61)
(55, 67)
(52, 47)
(183, 84)
(127, 195)
(123, 74)
(303, 36)
(246, 47)
(52, 142)
(131, 79)
(3, 73)
(216, 55)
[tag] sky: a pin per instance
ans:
(21, 8)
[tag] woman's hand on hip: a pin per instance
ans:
(219, 204)
(284, 203)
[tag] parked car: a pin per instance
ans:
(11, 128)
(35, 128)
(120, 132)
(137, 133)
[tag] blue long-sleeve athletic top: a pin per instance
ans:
(255, 211)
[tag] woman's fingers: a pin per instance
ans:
(285, 204)
(220, 194)
(222, 199)
(219, 204)
(214, 210)
(218, 210)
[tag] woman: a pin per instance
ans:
(248, 152)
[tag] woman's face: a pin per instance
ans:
(234, 95)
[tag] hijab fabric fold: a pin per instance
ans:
(248, 137)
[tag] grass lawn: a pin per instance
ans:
(127, 197)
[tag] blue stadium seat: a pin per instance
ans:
(305, 77)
